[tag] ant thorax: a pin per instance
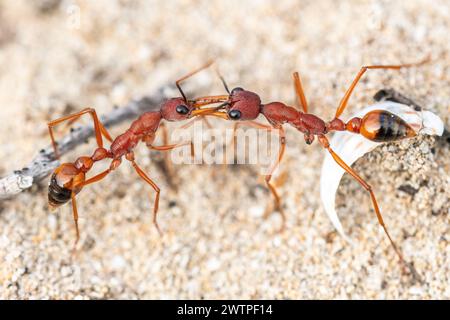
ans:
(279, 113)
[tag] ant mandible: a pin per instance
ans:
(377, 125)
(70, 178)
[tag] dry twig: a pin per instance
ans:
(44, 163)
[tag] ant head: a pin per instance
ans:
(60, 187)
(243, 105)
(176, 109)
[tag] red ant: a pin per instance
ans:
(69, 178)
(377, 125)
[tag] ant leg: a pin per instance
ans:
(190, 123)
(324, 141)
(98, 127)
(190, 74)
(250, 123)
(300, 92)
(168, 147)
(75, 219)
(95, 178)
(270, 185)
(361, 72)
(256, 124)
(274, 166)
(144, 176)
(167, 164)
(74, 204)
(165, 135)
(200, 117)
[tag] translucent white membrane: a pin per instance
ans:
(350, 147)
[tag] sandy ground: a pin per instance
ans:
(59, 56)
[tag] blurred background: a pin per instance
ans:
(57, 57)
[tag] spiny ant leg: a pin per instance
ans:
(98, 127)
(144, 176)
(325, 143)
(344, 101)
(300, 92)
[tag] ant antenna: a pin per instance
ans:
(190, 74)
(181, 91)
(224, 84)
(223, 80)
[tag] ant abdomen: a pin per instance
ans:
(60, 187)
(384, 126)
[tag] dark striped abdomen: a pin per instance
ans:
(57, 195)
(384, 126)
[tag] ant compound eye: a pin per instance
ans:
(235, 114)
(182, 109)
(235, 90)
